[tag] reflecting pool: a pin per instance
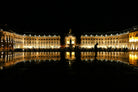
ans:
(12, 58)
(70, 65)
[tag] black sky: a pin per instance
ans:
(59, 16)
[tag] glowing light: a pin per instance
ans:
(1, 29)
(73, 53)
(67, 53)
(52, 46)
(135, 56)
(69, 62)
(133, 39)
(1, 68)
(133, 59)
(73, 42)
(27, 47)
(67, 42)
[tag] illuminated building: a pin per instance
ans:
(70, 40)
(106, 41)
(11, 41)
(127, 40)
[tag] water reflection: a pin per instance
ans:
(11, 58)
(125, 57)
(70, 56)
(133, 58)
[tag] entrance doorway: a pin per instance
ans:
(70, 40)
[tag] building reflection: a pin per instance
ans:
(11, 58)
(125, 57)
(133, 58)
(70, 56)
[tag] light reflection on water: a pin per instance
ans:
(124, 57)
(12, 58)
(107, 56)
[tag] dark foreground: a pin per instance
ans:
(96, 72)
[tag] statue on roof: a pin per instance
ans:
(70, 31)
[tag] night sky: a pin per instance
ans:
(59, 16)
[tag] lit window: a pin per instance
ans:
(73, 42)
(73, 53)
(67, 42)
(67, 53)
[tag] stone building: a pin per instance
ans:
(106, 41)
(11, 41)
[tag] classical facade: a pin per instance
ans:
(125, 40)
(106, 41)
(11, 41)
(70, 40)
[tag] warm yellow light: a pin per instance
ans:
(73, 53)
(73, 42)
(67, 42)
(88, 46)
(27, 46)
(133, 57)
(52, 46)
(133, 39)
(67, 53)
